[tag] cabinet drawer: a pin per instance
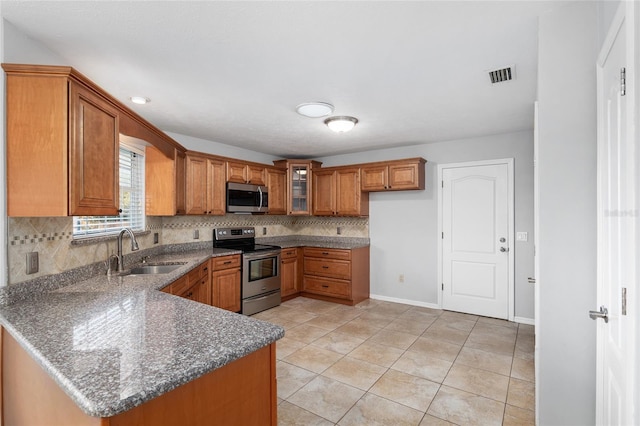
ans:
(327, 286)
(289, 253)
(327, 268)
(180, 285)
(226, 262)
(198, 272)
(327, 253)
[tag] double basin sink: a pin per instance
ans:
(152, 269)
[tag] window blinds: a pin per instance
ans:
(131, 202)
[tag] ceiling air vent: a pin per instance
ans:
(503, 74)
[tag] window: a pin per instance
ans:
(131, 200)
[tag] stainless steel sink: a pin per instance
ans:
(154, 269)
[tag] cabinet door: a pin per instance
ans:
(162, 186)
(276, 184)
(37, 177)
(404, 176)
(204, 290)
(216, 196)
(236, 172)
(324, 193)
(196, 185)
(299, 189)
(348, 192)
(191, 293)
(256, 175)
(289, 276)
(94, 143)
(374, 178)
(226, 284)
(181, 182)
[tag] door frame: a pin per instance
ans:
(511, 219)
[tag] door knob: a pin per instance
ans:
(602, 313)
(503, 240)
(503, 249)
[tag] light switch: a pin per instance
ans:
(522, 236)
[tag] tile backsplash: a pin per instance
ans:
(52, 237)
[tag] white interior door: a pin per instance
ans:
(617, 219)
(476, 238)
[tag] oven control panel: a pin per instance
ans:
(234, 233)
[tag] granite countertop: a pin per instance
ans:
(112, 343)
(313, 241)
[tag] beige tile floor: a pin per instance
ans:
(382, 363)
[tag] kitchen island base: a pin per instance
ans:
(242, 392)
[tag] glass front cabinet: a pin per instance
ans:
(299, 175)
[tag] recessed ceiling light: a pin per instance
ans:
(140, 100)
(341, 124)
(315, 109)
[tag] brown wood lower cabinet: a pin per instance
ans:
(290, 272)
(242, 392)
(226, 278)
(196, 285)
(336, 275)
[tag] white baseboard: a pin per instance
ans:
(522, 320)
(404, 301)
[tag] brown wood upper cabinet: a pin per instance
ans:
(400, 175)
(298, 184)
(164, 182)
(241, 172)
(205, 185)
(63, 140)
(62, 144)
(277, 187)
(336, 192)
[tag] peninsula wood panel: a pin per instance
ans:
(242, 392)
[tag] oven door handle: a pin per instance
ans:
(260, 255)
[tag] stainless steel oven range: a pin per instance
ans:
(260, 268)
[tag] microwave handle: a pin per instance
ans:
(260, 191)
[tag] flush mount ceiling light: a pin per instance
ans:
(315, 109)
(341, 124)
(140, 100)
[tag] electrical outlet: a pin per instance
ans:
(196, 234)
(339, 230)
(155, 238)
(401, 278)
(32, 262)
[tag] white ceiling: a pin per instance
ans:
(233, 72)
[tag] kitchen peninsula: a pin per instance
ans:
(115, 351)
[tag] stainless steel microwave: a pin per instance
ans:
(244, 198)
